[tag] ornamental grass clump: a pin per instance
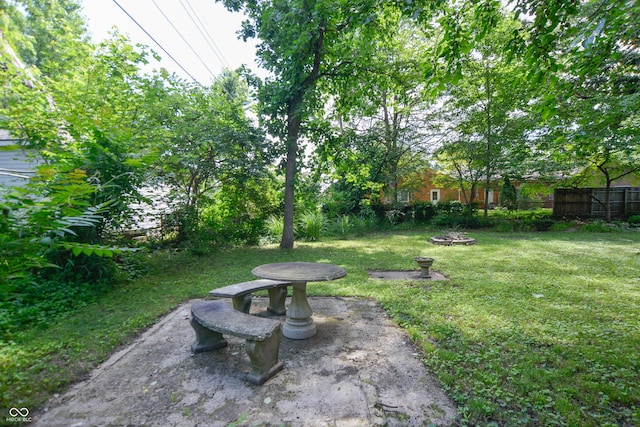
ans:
(311, 225)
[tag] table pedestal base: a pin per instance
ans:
(298, 330)
(299, 324)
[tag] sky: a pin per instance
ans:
(201, 35)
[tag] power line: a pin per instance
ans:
(183, 39)
(212, 44)
(156, 42)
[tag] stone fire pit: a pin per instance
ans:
(450, 239)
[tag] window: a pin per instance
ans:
(403, 196)
(435, 196)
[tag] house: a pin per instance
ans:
(432, 186)
(16, 166)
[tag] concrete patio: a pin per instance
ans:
(358, 370)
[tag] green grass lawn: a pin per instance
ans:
(531, 329)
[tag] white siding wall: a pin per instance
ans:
(15, 165)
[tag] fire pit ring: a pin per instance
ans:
(452, 239)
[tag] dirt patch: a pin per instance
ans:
(358, 370)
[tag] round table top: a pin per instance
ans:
(299, 271)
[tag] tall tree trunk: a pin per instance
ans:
(488, 165)
(293, 131)
(294, 120)
(607, 194)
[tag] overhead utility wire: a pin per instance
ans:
(200, 26)
(156, 42)
(183, 39)
(212, 44)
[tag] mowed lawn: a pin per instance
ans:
(533, 329)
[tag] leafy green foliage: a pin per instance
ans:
(542, 224)
(423, 212)
(49, 36)
(239, 210)
(593, 129)
(311, 225)
(208, 143)
(384, 124)
(88, 118)
(274, 226)
(486, 108)
(42, 247)
(508, 195)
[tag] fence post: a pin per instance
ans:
(624, 203)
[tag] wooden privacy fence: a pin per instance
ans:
(623, 202)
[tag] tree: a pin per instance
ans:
(90, 118)
(487, 109)
(50, 36)
(208, 141)
(459, 157)
(386, 122)
(508, 195)
(593, 111)
(299, 44)
(79, 114)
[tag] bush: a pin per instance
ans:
(360, 224)
(444, 220)
(274, 228)
(561, 226)
(451, 207)
(634, 220)
(310, 225)
(542, 224)
(29, 302)
(377, 208)
(598, 227)
(503, 226)
(50, 258)
(395, 216)
(343, 226)
(469, 221)
(423, 212)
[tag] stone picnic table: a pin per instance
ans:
(299, 325)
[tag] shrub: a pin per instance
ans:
(542, 224)
(310, 225)
(274, 228)
(469, 221)
(561, 226)
(343, 225)
(444, 220)
(450, 207)
(503, 226)
(49, 259)
(22, 303)
(423, 212)
(634, 220)
(360, 224)
(377, 208)
(598, 227)
(394, 216)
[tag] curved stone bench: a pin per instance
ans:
(213, 319)
(241, 294)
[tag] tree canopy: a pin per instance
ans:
(372, 87)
